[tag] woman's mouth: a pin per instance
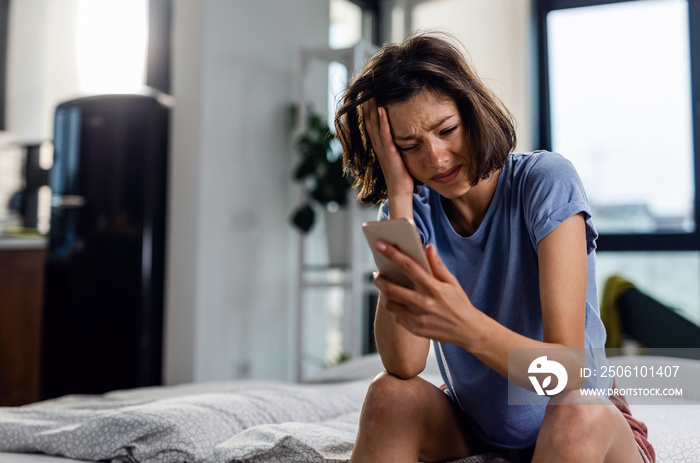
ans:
(446, 177)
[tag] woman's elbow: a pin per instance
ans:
(405, 369)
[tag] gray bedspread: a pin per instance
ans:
(242, 421)
(253, 421)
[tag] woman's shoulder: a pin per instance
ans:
(537, 159)
(540, 165)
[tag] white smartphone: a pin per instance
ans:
(402, 234)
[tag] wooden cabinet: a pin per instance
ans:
(21, 291)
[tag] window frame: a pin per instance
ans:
(689, 241)
(373, 7)
(4, 33)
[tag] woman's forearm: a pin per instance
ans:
(403, 353)
(510, 353)
(401, 207)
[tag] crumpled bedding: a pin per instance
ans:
(242, 421)
(254, 421)
(238, 421)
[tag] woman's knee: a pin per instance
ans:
(390, 397)
(575, 424)
(417, 414)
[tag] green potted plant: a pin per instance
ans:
(320, 171)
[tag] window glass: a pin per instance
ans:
(621, 111)
(345, 31)
(669, 277)
(346, 24)
(111, 38)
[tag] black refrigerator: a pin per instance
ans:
(104, 282)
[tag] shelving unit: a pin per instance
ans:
(351, 279)
(347, 277)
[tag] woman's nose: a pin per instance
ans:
(437, 155)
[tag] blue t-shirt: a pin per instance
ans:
(497, 267)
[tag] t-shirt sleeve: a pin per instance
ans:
(553, 192)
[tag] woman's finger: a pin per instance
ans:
(385, 129)
(392, 291)
(371, 118)
(398, 294)
(438, 267)
(404, 316)
(376, 122)
(417, 274)
(396, 309)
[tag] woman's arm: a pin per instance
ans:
(562, 261)
(437, 308)
(403, 353)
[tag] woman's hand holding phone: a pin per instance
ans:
(399, 233)
(428, 301)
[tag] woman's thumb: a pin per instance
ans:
(437, 266)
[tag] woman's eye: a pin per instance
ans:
(448, 131)
(405, 148)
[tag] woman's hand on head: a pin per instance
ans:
(436, 307)
(398, 181)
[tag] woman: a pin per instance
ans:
(511, 248)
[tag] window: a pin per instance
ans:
(619, 82)
(616, 80)
(344, 32)
(350, 22)
(4, 24)
(111, 38)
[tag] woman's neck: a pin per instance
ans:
(468, 211)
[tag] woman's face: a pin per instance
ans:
(429, 133)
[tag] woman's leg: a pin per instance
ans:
(584, 429)
(410, 420)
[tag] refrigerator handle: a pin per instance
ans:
(67, 201)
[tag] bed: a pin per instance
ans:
(257, 421)
(252, 421)
(240, 421)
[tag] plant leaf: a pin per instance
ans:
(306, 168)
(303, 218)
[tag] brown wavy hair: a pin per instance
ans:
(396, 73)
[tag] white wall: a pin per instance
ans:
(41, 70)
(231, 250)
